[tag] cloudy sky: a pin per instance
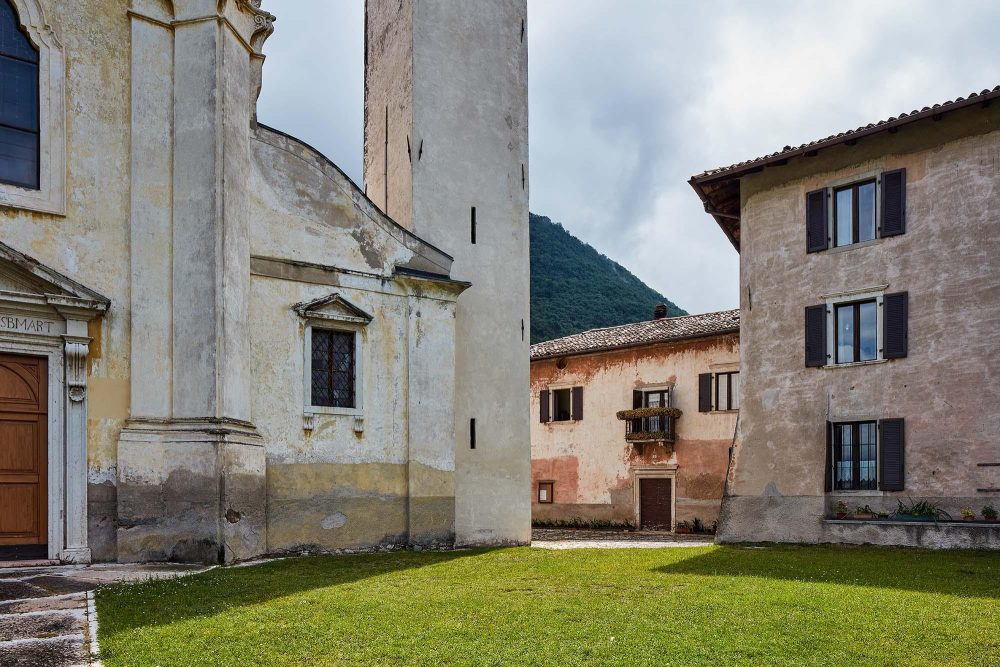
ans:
(629, 98)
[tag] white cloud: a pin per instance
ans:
(629, 99)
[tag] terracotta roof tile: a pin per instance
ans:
(641, 333)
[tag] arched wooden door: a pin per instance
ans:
(23, 450)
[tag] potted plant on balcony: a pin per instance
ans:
(968, 514)
(990, 513)
(864, 512)
(922, 510)
(683, 528)
(840, 510)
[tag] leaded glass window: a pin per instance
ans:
(19, 129)
(333, 368)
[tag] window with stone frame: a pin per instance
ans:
(19, 103)
(334, 373)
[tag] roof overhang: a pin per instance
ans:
(719, 189)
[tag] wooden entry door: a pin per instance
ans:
(23, 450)
(655, 503)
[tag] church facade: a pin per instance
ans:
(214, 345)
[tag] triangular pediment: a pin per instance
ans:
(332, 307)
(24, 277)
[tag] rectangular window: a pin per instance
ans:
(333, 372)
(546, 492)
(856, 325)
(562, 405)
(855, 456)
(727, 391)
(854, 213)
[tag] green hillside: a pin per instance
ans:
(575, 288)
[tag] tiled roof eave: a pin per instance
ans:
(627, 346)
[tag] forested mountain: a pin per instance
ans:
(575, 288)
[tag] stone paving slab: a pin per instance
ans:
(46, 617)
(58, 652)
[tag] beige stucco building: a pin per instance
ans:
(213, 344)
(869, 313)
(664, 465)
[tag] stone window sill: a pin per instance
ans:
(896, 522)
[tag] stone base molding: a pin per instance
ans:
(191, 491)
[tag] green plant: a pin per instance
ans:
(968, 513)
(840, 507)
(697, 526)
(578, 522)
(865, 509)
(990, 513)
(921, 509)
(683, 524)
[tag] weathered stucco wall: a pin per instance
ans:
(592, 465)
(946, 261)
(89, 243)
(333, 487)
(455, 74)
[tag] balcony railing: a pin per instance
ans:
(650, 424)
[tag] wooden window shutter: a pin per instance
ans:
(543, 402)
(893, 203)
(815, 336)
(705, 392)
(816, 224)
(577, 403)
(895, 329)
(890, 454)
(828, 468)
(637, 397)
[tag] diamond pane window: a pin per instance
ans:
(333, 378)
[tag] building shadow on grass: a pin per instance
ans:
(973, 574)
(126, 607)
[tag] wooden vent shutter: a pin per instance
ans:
(828, 468)
(543, 403)
(895, 329)
(816, 225)
(577, 403)
(705, 392)
(815, 336)
(894, 202)
(890, 454)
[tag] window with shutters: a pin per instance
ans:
(659, 398)
(858, 327)
(19, 103)
(855, 456)
(856, 211)
(561, 404)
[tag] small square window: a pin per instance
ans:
(333, 368)
(545, 492)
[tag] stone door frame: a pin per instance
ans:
(668, 471)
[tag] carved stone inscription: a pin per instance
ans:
(30, 325)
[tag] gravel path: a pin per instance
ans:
(562, 538)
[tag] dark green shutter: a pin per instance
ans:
(890, 454)
(893, 203)
(705, 392)
(816, 224)
(543, 402)
(895, 329)
(577, 403)
(828, 468)
(815, 336)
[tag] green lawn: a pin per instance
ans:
(686, 606)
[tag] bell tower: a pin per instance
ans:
(446, 155)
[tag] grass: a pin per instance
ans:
(779, 605)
